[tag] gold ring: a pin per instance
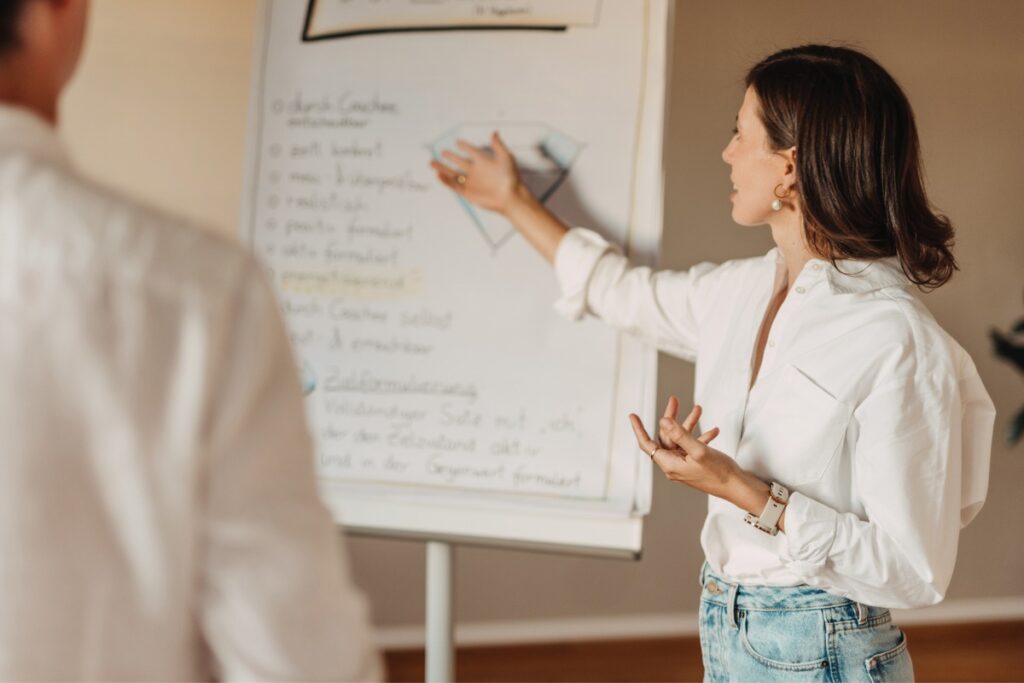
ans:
(652, 453)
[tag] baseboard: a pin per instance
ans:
(683, 624)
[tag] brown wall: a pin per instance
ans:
(159, 109)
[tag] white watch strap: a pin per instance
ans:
(768, 522)
(779, 492)
(771, 513)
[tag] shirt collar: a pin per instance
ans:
(852, 276)
(25, 133)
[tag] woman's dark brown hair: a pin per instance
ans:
(857, 157)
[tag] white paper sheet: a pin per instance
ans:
(435, 366)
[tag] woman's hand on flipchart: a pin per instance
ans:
(690, 460)
(487, 177)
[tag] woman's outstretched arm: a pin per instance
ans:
(663, 308)
(490, 179)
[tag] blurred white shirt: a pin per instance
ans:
(159, 517)
(871, 414)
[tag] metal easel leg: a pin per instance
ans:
(440, 622)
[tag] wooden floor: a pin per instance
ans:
(961, 652)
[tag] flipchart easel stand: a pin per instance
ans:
(440, 651)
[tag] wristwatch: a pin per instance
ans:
(768, 522)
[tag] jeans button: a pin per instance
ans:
(712, 587)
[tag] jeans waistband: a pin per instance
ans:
(742, 596)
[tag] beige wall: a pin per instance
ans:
(159, 109)
(159, 105)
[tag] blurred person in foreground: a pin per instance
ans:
(159, 516)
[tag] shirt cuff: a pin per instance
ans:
(575, 259)
(810, 532)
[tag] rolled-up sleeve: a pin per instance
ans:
(920, 469)
(661, 307)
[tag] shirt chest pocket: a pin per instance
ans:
(793, 429)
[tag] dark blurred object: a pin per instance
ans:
(1010, 347)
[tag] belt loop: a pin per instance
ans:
(862, 613)
(733, 588)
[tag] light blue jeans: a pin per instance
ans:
(765, 633)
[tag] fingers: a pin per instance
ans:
(446, 175)
(459, 163)
(472, 152)
(691, 420)
(674, 433)
(441, 169)
(672, 409)
(499, 146)
(671, 412)
(705, 438)
(646, 443)
(663, 436)
(708, 436)
(657, 454)
(689, 424)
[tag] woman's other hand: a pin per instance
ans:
(690, 460)
(689, 424)
(488, 178)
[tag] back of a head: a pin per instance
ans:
(40, 48)
(10, 19)
(858, 159)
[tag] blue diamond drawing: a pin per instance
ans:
(308, 377)
(544, 155)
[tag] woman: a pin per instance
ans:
(846, 418)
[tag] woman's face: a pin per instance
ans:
(755, 169)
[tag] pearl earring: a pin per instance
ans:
(777, 204)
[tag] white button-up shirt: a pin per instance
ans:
(159, 516)
(871, 414)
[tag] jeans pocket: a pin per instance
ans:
(893, 664)
(790, 641)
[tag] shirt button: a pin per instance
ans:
(816, 266)
(771, 342)
(800, 290)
